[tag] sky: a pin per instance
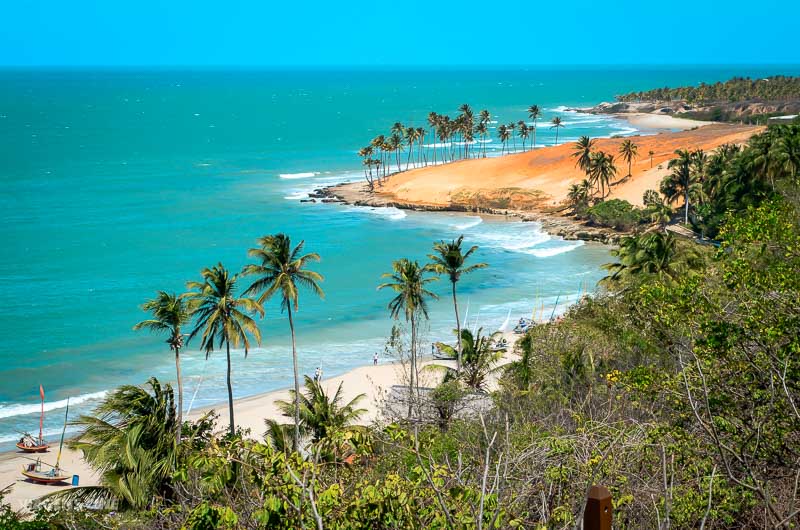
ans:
(329, 33)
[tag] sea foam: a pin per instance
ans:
(304, 175)
(9, 410)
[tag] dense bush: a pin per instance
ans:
(615, 213)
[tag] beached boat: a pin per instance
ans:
(28, 443)
(37, 472)
(42, 472)
(523, 325)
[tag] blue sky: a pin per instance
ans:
(412, 32)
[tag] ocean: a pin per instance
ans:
(118, 183)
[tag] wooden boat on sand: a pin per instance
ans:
(28, 443)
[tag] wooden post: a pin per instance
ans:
(597, 515)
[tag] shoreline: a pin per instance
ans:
(374, 382)
(533, 185)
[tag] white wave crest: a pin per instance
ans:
(470, 222)
(296, 196)
(10, 410)
(305, 175)
(553, 251)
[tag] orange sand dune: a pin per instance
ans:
(541, 178)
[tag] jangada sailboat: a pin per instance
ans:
(42, 472)
(28, 443)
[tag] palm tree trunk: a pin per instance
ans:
(410, 153)
(180, 394)
(458, 330)
(232, 427)
(413, 365)
(534, 135)
(686, 209)
(296, 443)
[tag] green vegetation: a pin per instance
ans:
(449, 259)
(616, 213)
(775, 88)
(677, 387)
(282, 270)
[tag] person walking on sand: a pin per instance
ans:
(375, 359)
(318, 374)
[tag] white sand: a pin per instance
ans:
(662, 121)
(249, 413)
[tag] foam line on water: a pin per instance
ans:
(21, 409)
(303, 175)
(553, 251)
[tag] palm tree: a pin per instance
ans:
(482, 130)
(651, 153)
(480, 358)
(433, 123)
(533, 113)
(410, 135)
(322, 415)
(680, 180)
(282, 269)
(579, 195)
(396, 145)
(378, 143)
(420, 136)
(601, 170)
(129, 440)
(503, 134)
(170, 313)
(222, 318)
(523, 132)
(629, 152)
(583, 152)
(409, 281)
(653, 253)
(556, 125)
(511, 128)
(449, 259)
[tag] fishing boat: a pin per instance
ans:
(37, 472)
(28, 443)
(44, 473)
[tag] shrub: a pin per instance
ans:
(616, 213)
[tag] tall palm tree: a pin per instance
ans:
(396, 145)
(378, 143)
(629, 152)
(433, 123)
(449, 259)
(222, 318)
(503, 134)
(170, 313)
(556, 124)
(410, 135)
(602, 170)
(523, 131)
(650, 154)
(680, 180)
(482, 130)
(408, 280)
(281, 270)
(533, 113)
(583, 152)
(420, 135)
(512, 127)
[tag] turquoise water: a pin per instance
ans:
(119, 183)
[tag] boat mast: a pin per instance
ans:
(41, 418)
(64, 430)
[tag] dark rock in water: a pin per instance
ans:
(331, 200)
(308, 200)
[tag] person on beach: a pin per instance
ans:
(318, 374)
(375, 359)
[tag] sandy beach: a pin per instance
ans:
(250, 414)
(540, 179)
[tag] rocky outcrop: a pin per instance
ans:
(569, 228)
